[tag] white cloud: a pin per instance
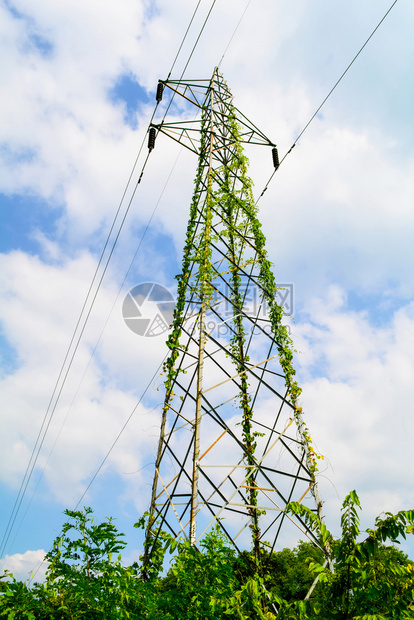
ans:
(39, 305)
(60, 131)
(25, 566)
(338, 212)
(357, 386)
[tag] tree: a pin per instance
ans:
(200, 581)
(85, 577)
(285, 573)
(368, 579)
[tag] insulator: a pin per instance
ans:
(275, 156)
(160, 90)
(151, 138)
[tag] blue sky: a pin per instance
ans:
(78, 89)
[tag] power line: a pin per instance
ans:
(100, 337)
(234, 32)
(188, 60)
(327, 97)
(41, 438)
(198, 38)
(184, 38)
(141, 240)
(49, 412)
(44, 429)
(146, 229)
(120, 432)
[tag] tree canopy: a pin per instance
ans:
(86, 578)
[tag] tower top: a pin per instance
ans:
(211, 94)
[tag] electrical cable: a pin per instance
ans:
(301, 133)
(184, 38)
(30, 466)
(40, 439)
(99, 338)
(45, 428)
(235, 30)
(327, 97)
(120, 432)
(145, 231)
(188, 61)
(198, 38)
(49, 413)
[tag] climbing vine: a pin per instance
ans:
(218, 193)
(237, 349)
(244, 201)
(190, 255)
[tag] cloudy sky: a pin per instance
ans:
(78, 82)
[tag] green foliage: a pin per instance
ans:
(225, 194)
(199, 252)
(155, 548)
(86, 578)
(229, 201)
(251, 601)
(369, 579)
(16, 600)
(93, 550)
(288, 571)
(200, 581)
(247, 222)
(286, 574)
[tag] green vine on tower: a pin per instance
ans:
(244, 201)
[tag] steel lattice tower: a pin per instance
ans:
(233, 448)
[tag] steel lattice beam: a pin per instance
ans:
(233, 446)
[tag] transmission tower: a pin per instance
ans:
(233, 449)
